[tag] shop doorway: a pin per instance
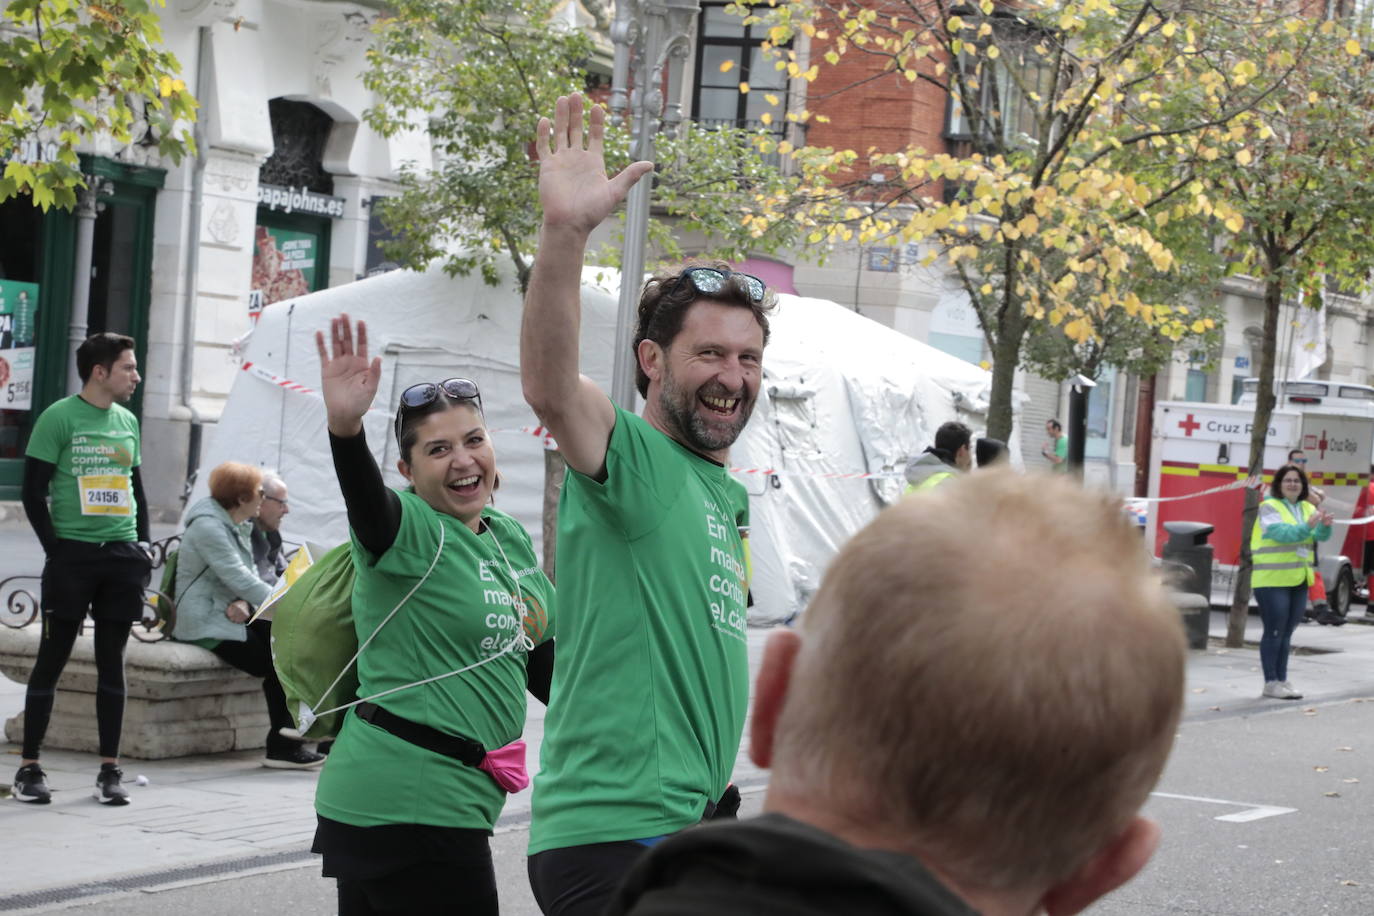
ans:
(121, 279)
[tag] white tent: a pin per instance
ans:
(841, 395)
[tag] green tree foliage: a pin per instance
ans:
(478, 75)
(71, 72)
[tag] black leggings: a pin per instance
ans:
(55, 647)
(464, 885)
(254, 656)
(581, 880)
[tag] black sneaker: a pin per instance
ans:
(297, 758)
(324, 747)
(108, 791)
(31, 785)
(1329, 618)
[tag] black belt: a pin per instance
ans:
(464, 750)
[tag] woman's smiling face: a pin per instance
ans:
(1291, 485)
(452, 464)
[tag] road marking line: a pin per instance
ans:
(1253, 812)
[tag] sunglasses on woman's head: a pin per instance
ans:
(709, 281)
(426, 393)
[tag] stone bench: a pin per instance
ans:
(182, 699)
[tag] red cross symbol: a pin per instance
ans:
(1321, 444)
(1189, 425)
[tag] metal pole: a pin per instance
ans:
(631, 270)
(648, 34)
(86, 209)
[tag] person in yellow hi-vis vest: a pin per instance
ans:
(1282, 545)
(950, 455)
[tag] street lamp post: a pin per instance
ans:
(651, 37)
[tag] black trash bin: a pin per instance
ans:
(1187, 548)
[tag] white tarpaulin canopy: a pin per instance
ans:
(841, 395)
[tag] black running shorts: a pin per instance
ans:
(104, 580)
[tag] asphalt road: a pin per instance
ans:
(1318, 859)
(1230, 848)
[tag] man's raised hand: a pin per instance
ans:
(348, 380)
(573, 187)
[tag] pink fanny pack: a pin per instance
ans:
(506, 766)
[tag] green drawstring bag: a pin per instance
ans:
(314, 644)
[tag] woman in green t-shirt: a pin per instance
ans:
(453, 615)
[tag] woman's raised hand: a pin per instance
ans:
(348, 379)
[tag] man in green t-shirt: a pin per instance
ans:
(83, 457)
(651, 683)
(1056, 447)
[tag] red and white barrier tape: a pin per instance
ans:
(832, 475)
(286, 384)
(1249, 483)
(272, 378)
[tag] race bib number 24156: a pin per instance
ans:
(105, 494)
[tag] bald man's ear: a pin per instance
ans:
(1113, 865)
(770, 692)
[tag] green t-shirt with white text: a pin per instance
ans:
(651, 682)
(95, 451)
(466, 611)
(1061, 451)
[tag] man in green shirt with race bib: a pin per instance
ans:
(651, 682)
(83, 457)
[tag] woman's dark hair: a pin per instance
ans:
(664, 303)
(412, 416)
(986, 450)
(1276, 485)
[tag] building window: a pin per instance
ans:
(300, 132)
(1357, 11)
(1195, 389)
(954, 327)
(1001, 103)
(723, 40)
(1098, 441)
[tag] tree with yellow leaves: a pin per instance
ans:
(1078, 133)
(1300, 186)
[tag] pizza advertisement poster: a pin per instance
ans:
(283, 266)
(18, 329)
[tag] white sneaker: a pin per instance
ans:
(1274, 689)
(1290, 692)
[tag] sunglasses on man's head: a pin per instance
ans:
(425, 393)
(1299, 460)
(709, 281)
